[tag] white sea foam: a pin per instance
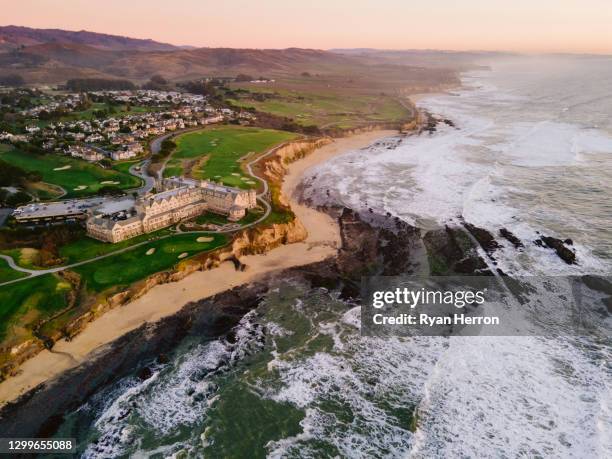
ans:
(527, 156)
(174, 396)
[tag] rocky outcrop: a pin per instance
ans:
(559, 247)
(484, 238)
(510, 237)
(274, 166)
(450, 251)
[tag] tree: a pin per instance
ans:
(18, 199)
(158, 79)
(110, 190)
(243, 77)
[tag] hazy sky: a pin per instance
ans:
(514, 25)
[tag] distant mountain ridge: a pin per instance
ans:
(52, 56)
(12, 37)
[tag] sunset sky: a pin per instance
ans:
(512, 25)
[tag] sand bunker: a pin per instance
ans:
(109, 182)
(235, 174)
(151, 251)
(204, 239)
(183, 255)
(80, 187)
(63, 168)
(28, 256)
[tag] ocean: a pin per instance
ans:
(529, 149)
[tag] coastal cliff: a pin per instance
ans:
(84, 307)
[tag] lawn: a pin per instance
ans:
(70, 173)
(131, 266)
(215, 219)
(86, 247)
(215, 153)
(7, 273)
(326, 110)
(36, 298)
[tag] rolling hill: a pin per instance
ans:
(12, 37)
(54, 56)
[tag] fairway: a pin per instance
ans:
(87, 247)
(78, 178)
(35, 298)
(214, 154)
(131, 266)
(327, 110)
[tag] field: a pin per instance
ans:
(7, 273)
(87, 248)
(215, 153)
(325, 109)
(26, 302)
(31, 301)
(54, 169)
(127, 267)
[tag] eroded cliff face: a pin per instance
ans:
(274, 167)
(255, 240)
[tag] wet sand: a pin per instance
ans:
(166, 299)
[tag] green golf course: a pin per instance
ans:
(133, 265)
(78, 178)
(215, 154)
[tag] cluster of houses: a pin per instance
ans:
(151, 98)
(67, 103)
(120, 137)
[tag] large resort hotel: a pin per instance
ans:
(180, 199)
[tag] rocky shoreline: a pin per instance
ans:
(372, 244)
(384, 248)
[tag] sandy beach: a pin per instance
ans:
(166, 299)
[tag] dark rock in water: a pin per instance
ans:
(145, 373)
(469, 265)
(162, 358)
(558, 246)
(508, 235)
(448, 122)
(484, 238)
(568, 241)
(598, 283)
(608, 303)
(451, 251)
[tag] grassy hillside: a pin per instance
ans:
(324, 108)
(124, 268)
(26, 302)
(7, 273)
(215, 153)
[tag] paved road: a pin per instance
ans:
(148, 181)
(14, 266)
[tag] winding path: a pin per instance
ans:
(149, 183)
